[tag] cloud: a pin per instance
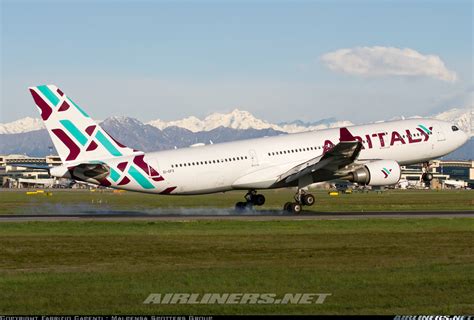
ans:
(387, 61)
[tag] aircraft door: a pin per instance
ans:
(253, 157)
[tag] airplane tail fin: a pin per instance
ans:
(75, 135)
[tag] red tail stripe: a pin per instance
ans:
(168, 190)
(92, 146)
(74, 150)
(124, 181)
(122, 165)
(45, 108)
(64, 106)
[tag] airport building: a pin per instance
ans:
(446, 174)
(13, 175)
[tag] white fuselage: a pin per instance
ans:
(258, 163)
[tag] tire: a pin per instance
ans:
(308, 200)
(296, 208)
(287, 207)
(258, 200)
(240, 206)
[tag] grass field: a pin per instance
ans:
(414, 266)
(17, 202)
(376, 266)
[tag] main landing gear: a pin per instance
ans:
(301, 199)
(252, 199)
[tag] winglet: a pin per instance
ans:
(345, 135)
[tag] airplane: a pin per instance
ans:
(368, 154)
(455, 184)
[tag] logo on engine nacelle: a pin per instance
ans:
(386, 172)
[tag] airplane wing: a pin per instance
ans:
(324, 167)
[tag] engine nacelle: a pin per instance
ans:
(377, 173)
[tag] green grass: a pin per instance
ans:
(403, 266)
(12, 202)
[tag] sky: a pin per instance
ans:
(280, 60)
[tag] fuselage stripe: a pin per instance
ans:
(141, 179)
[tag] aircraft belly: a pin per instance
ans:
(201, 182)
(261, 179)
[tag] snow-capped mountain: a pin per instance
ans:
(22, 125)
(243, 120)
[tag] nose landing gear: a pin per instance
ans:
(427, 176)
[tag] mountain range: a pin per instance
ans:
(28, 136)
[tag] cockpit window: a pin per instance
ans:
(454, 128)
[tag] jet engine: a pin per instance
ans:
(377, 173)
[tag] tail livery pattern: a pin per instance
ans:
(88, 151)
(138, 173)
(75, 135)
(133, 173)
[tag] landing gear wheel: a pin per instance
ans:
(295, 208)
(427, 177)
(308, 199)
(258, 199)
(240, 206)
(287, 207)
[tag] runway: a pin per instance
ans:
(190, 215)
